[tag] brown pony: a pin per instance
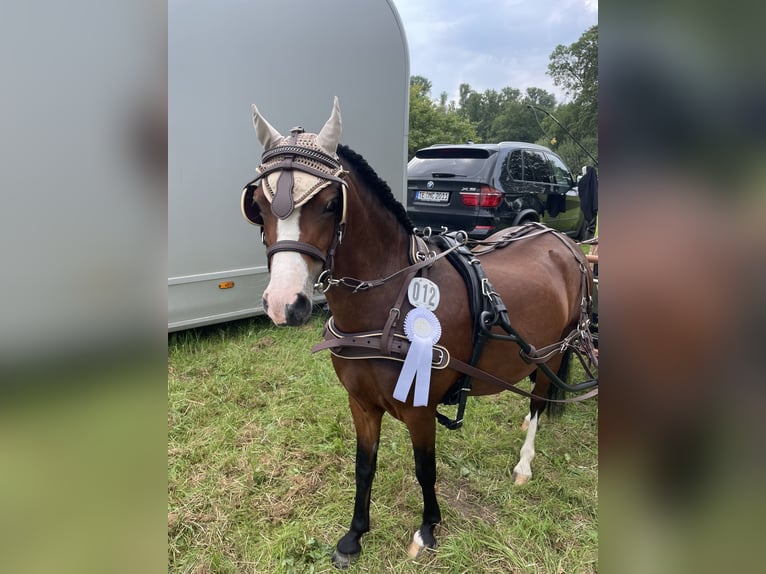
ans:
(324, 211)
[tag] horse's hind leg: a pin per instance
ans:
(367, 421)
(525, 422)
(522, 472)
(422, 427)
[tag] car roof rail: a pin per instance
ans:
(524, 144)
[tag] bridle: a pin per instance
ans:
(286, 159)
(328, 170)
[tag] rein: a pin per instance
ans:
(325, 280)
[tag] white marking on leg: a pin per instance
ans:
(523, 470)
(289, 272)
(525, 423)
(417, 545)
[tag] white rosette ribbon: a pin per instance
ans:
(423, 330)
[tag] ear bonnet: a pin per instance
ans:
(294, 168)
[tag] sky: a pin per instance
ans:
(490, 44)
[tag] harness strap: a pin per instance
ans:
(282, 204)
(361, 345)
(526, 231)
(394, 313)
(442, 359)
(462, 367)
(470, 269)
(501, 320)
(362, 285)
(290, 245)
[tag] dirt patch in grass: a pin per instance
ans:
(466, 502)
(264, 343)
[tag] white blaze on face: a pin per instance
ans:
(289, 272)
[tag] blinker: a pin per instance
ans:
(282, 204)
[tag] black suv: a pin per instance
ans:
(482, 188)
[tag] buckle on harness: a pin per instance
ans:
(486, 288)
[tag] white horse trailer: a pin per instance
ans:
(290, 59)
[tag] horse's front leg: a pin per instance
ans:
(422, 427)
(367, 422)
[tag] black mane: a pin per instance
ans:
(373, 181)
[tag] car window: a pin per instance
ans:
(511, 169)
(449, 162)
(560, 172)
(536, 167)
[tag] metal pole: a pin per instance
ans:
(550, 115)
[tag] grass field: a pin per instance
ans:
(261, 469)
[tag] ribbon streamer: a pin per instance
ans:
(423, 329)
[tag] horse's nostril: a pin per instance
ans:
(298, 312)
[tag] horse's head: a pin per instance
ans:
(298, 199)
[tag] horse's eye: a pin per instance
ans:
(331, 206)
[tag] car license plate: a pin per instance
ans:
(432, 196)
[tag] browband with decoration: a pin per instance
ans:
(302, 151)
(319, 168)
(296, 169)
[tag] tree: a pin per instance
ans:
(443, 101)
(503, 115)
(470, 104)
(514, 123)
(432, 123)
(422, 86)
(493, 116)
(540, 97)
(575, 68)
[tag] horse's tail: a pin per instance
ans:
(555, 410)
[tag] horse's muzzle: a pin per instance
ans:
(298, 312)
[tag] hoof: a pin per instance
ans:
(342, 561)
(416, 547)
(520, 479)
(414, 550)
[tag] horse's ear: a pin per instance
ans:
(250, 209)
(267, 135)
(329, 137)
